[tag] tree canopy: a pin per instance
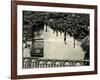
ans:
(73, 24)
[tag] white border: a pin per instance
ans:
(21, 71)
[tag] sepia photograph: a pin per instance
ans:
(55, 39)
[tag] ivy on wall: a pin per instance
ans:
(75, 25)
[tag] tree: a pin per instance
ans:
(74, 24)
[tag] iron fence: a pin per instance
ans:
(29, 62)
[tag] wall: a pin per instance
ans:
(5, 51)
(55, 48)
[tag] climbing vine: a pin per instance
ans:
(75, 25)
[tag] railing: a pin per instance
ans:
(46, 63)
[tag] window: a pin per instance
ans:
(38, 42)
